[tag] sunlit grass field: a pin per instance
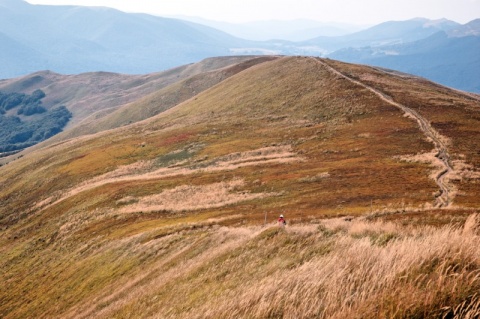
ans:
(174, 216)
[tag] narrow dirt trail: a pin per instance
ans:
(443, 199)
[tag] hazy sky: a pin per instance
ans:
(349, 11)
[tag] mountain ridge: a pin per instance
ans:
(56, 38)
(198, 115)
(95, 97)
(289, 30)
(387, 33)
(175, 215)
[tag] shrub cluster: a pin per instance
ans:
(25, 104)
(17, 134)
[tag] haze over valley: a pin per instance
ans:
(56, 38)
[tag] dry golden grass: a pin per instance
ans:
(333, 269)
(188, 198)
(148, 170)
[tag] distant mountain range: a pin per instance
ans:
(450, 57)
(56, 38)
(392, 32)
(289, 30)
(73, 39)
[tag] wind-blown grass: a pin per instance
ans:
(369, 270)
(335, 269)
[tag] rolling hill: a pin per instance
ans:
(100, 100)
(192, 81)
(377, 173)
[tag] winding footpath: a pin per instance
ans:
(443, 198)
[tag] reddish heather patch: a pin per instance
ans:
(176, 139)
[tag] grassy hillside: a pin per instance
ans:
(100, 93)
(202, 76)
(174, 216)
(102, 100)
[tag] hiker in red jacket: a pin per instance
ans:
(281, 221)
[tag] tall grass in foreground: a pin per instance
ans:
(373, 270)
(337, 269)
(334, 269)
